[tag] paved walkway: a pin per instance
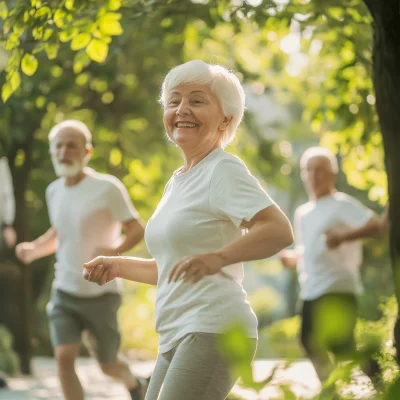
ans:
(300, 376)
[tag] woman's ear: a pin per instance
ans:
(225, 122)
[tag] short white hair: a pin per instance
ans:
(223, 83)
(73, 124)
(317, 151)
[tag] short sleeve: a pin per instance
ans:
(235, 193)
(120, 203)
(7, 205)
(297, 227)
(354, 213)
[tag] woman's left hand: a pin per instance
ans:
(194, 268)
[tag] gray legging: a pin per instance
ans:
(193, 370)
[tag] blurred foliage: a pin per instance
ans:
(8, 358)
(103, 62)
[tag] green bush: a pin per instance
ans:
(8, 358)
(281, 340)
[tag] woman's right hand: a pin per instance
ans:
(101, 270)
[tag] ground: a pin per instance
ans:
(44, 384)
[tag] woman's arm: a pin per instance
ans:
(101, 270)
(269, 233)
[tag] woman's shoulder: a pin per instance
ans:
(227, 160)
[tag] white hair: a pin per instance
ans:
(223, 83)
(317, 151)
(73, 124)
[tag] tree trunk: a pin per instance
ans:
(386, 79)
(22, 325)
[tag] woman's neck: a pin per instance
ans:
(191, 158)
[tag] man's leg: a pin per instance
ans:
(120, 370)
(65, 333)
(311, 343)
(102, 338)
(65, 356)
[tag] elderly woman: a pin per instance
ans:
(195, 236)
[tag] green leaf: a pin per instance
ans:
(115, 157)
(97, 50)
(6, 92)
(80, 41)
(69, 4)
(29, 64)
(114, 5)
(52, 50)
(59, 18)
(68, 34)
(109, 24)
(3, 10)
(81, 60)
(15, 81)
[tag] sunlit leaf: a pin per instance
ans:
(15, 81)
(109, 24)
(52, 50)
(69, 4)
(67, 34)
(97, 50)
(114, 5)
(3, 10)
(6, 92)
(59, 18)
(80, 41)
(115, 157)
(29, 64)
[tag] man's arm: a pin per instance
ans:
(134, 233)
(375, 225)
(43, 246)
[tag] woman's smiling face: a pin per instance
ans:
(193, 116)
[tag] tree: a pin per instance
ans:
(386, 58)
(332, 35)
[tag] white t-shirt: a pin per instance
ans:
(322, 270)
(86, 216)
(7, 202)
(201, 211)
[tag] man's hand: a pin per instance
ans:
(10, 236)
(25, 252)
(101, 270)
(288, 258)
(194, 268)
(333, 239)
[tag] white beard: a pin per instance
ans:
(67, 171)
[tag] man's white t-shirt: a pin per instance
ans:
(322, 270)
(7, 201)
(86, 216)
(201, 211)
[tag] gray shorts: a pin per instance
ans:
(195, 370)
(70, 316)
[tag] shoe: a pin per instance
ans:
(139, 392)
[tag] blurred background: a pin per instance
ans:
(305, 66)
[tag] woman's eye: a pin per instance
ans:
(173, 102)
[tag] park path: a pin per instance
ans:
(44, 383)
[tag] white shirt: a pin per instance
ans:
(322, 270)
(7, 202)
(86, 216)
(201, 211)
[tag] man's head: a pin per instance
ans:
(70, 147)
(319, 168)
